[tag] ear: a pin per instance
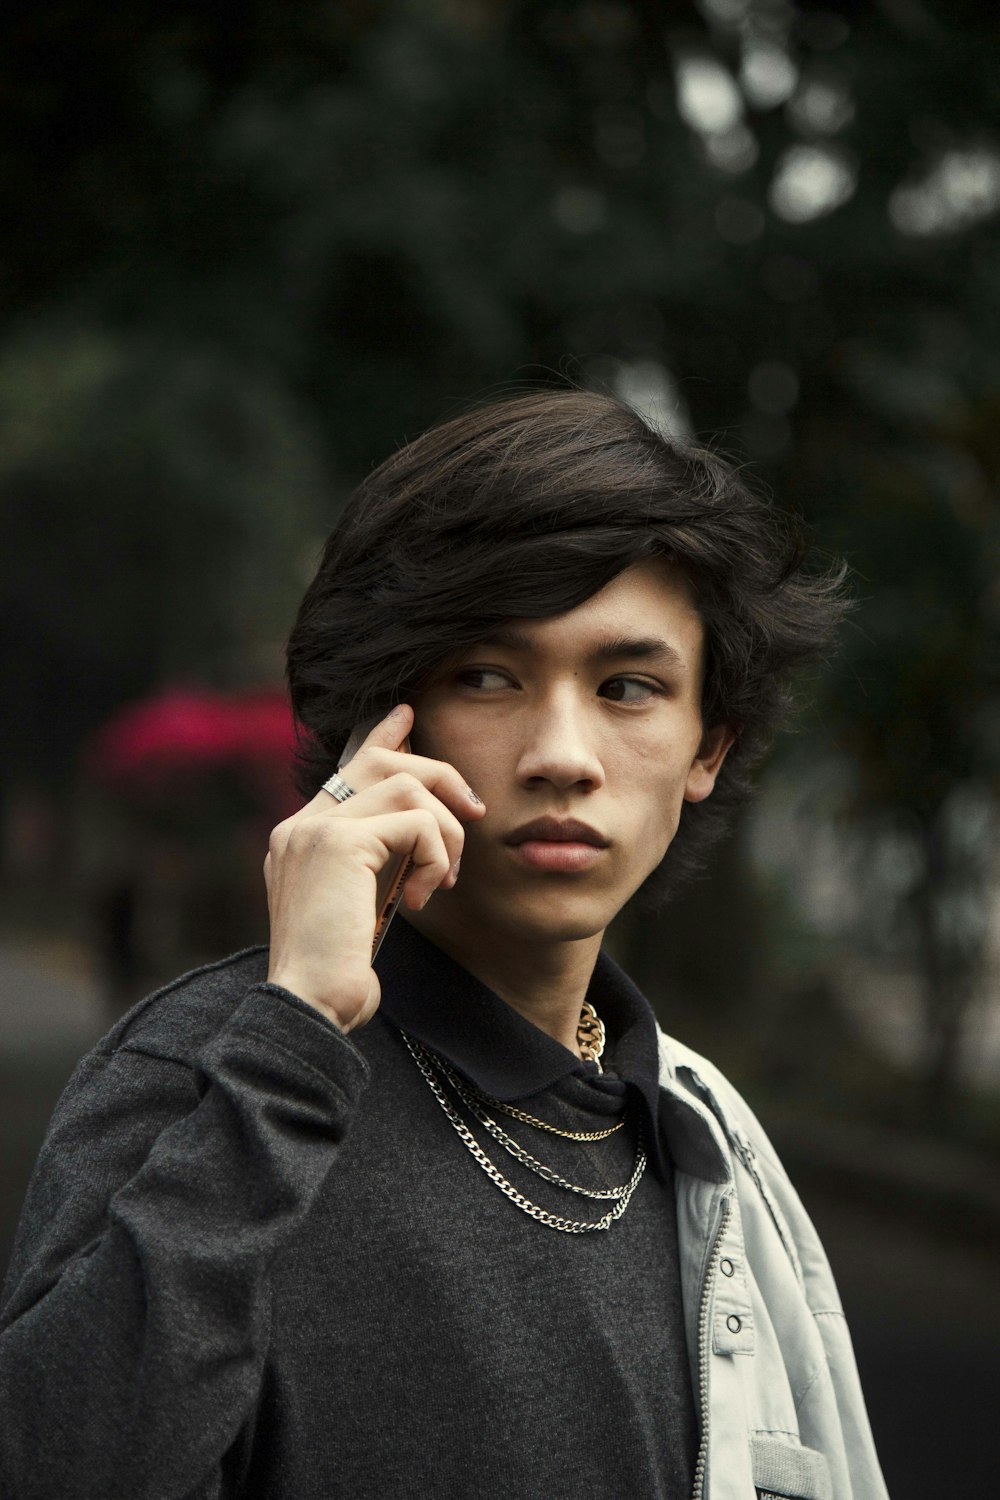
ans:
(708, 762)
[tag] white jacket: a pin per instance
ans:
(774, 1376)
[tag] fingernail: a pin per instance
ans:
(473, 798)
(456, 867)
(425, 900)
(395, 712)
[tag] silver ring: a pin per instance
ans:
(338, 788)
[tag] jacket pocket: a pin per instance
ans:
(785, 1470)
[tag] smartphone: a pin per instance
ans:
(392, 876)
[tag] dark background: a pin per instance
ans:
(250, 249)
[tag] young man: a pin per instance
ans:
(464, 1223)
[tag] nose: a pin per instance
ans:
(559, 746)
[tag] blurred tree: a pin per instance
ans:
(140, 538)
(918, 691)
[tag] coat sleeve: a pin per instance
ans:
(135, 1316)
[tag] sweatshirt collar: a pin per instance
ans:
(442, 1005)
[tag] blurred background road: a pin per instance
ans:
(249, 250)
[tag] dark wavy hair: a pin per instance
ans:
(525, 508)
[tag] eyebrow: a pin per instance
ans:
(612, 648)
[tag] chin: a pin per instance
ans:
(559, 920)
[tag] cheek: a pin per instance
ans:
(661, 826)
(450, 737)
(663, 780)
(431, 731)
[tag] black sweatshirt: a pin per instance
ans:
(256, 1259)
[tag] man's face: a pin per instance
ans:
(591, 717)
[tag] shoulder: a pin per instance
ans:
(147, 1064)
(683, 1068)
(763, 1186)
(176, 1021)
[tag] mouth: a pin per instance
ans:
(559, 845)
(557, 831)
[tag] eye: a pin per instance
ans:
(486, 679)
(629, 690)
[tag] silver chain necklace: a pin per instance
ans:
(428, 1063)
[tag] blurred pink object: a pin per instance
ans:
(187, 729)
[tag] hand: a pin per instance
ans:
(323, 862)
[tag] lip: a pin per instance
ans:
(557, 831)
(560, 846)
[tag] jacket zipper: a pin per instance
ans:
(701, 1466)
(748, 1157)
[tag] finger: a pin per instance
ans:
(433, 866)
(373, 765)
(382, 754)
(390, 732)
(361, 821)
(416, 834)
(320, 845)
(394, 782)
(400, 793)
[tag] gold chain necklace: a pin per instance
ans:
(526, 1119)
(590, 1035)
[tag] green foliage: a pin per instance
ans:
(155, 501)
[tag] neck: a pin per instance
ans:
(546, 983)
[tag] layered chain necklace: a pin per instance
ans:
(437, 1073)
